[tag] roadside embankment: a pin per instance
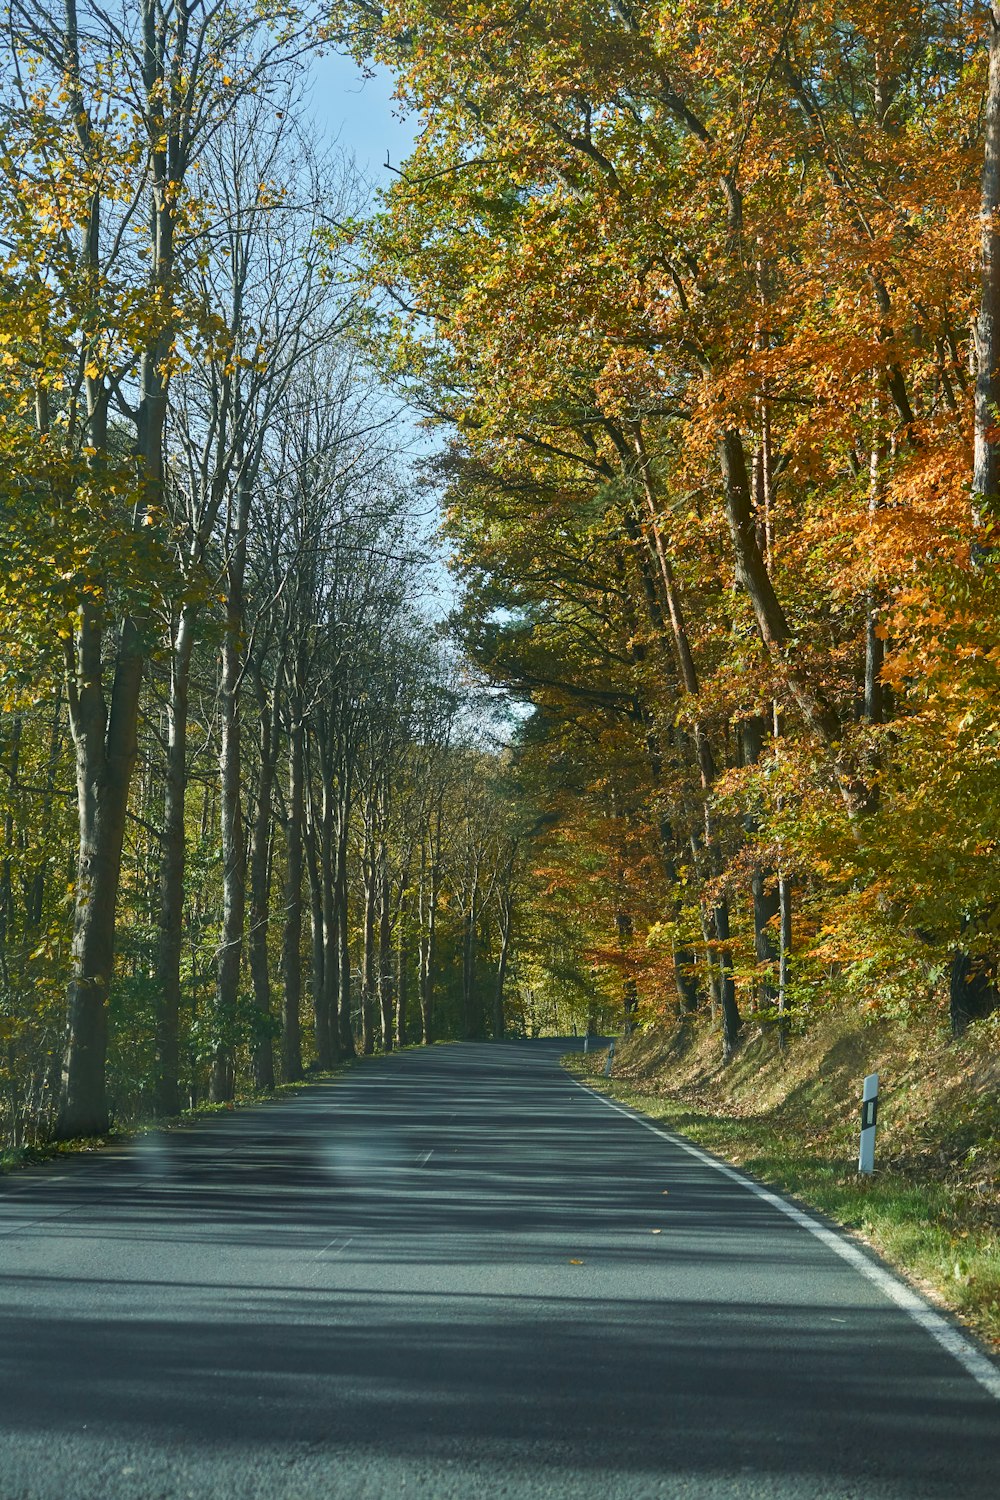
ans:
(932, 1207)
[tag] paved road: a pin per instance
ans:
(372, 1290)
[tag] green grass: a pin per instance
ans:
(935, 1229)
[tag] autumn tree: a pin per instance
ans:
(710, 282)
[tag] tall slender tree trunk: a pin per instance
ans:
(368, 956)
(402, 967)
(506, 927)
(753, 576)
(469, 1028)
(731, 1024)
(385, 986)
(716, 923)
(784, 951)
(223, 1081)
(6, 870)
(291, 943)
(328, 1003)
(105, 740)
(106, 748)
(874, 692)
(261, 847)
(686, 985)
(321, 854)
(430, 887)
(763, 887)
(671, 594)
(172, 864)
(344, 939)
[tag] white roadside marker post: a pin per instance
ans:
(869, 1116)
(611, 1058)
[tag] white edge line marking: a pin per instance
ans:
(955, 1343)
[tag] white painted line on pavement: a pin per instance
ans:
(340, 1248)
(957, 1345)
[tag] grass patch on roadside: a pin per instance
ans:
(932, 1208)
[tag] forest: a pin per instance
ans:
(699, 307)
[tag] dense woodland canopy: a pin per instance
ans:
(710, 294)
(252, 817)
(705, 301)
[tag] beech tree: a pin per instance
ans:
(213, 558)
(701, 288)
(113, 112)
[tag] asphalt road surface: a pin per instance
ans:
(453, 1274)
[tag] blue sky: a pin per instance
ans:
(361, 114)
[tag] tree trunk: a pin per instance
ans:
(753, 577)
(262, 1046)
(763, 887)
(429, 897)
(402, 976)
(468, 973)
(173, 859)
(291, 937)
(624, 928)
(766, 906)
(105, 741)
(106, 748)
(874, 691)
(506, 926)
(6, 878)
(368, 959)
(784, 951)
(731, 1023)
(874, 661)
(222, 1083)
(685, 980)
(675, 612)
(328, 1004)
(973, 992)
(344, 940)
(385, 952)
(320, 852)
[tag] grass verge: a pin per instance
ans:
(931, 1209)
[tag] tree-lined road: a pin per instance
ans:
(454, 1273)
